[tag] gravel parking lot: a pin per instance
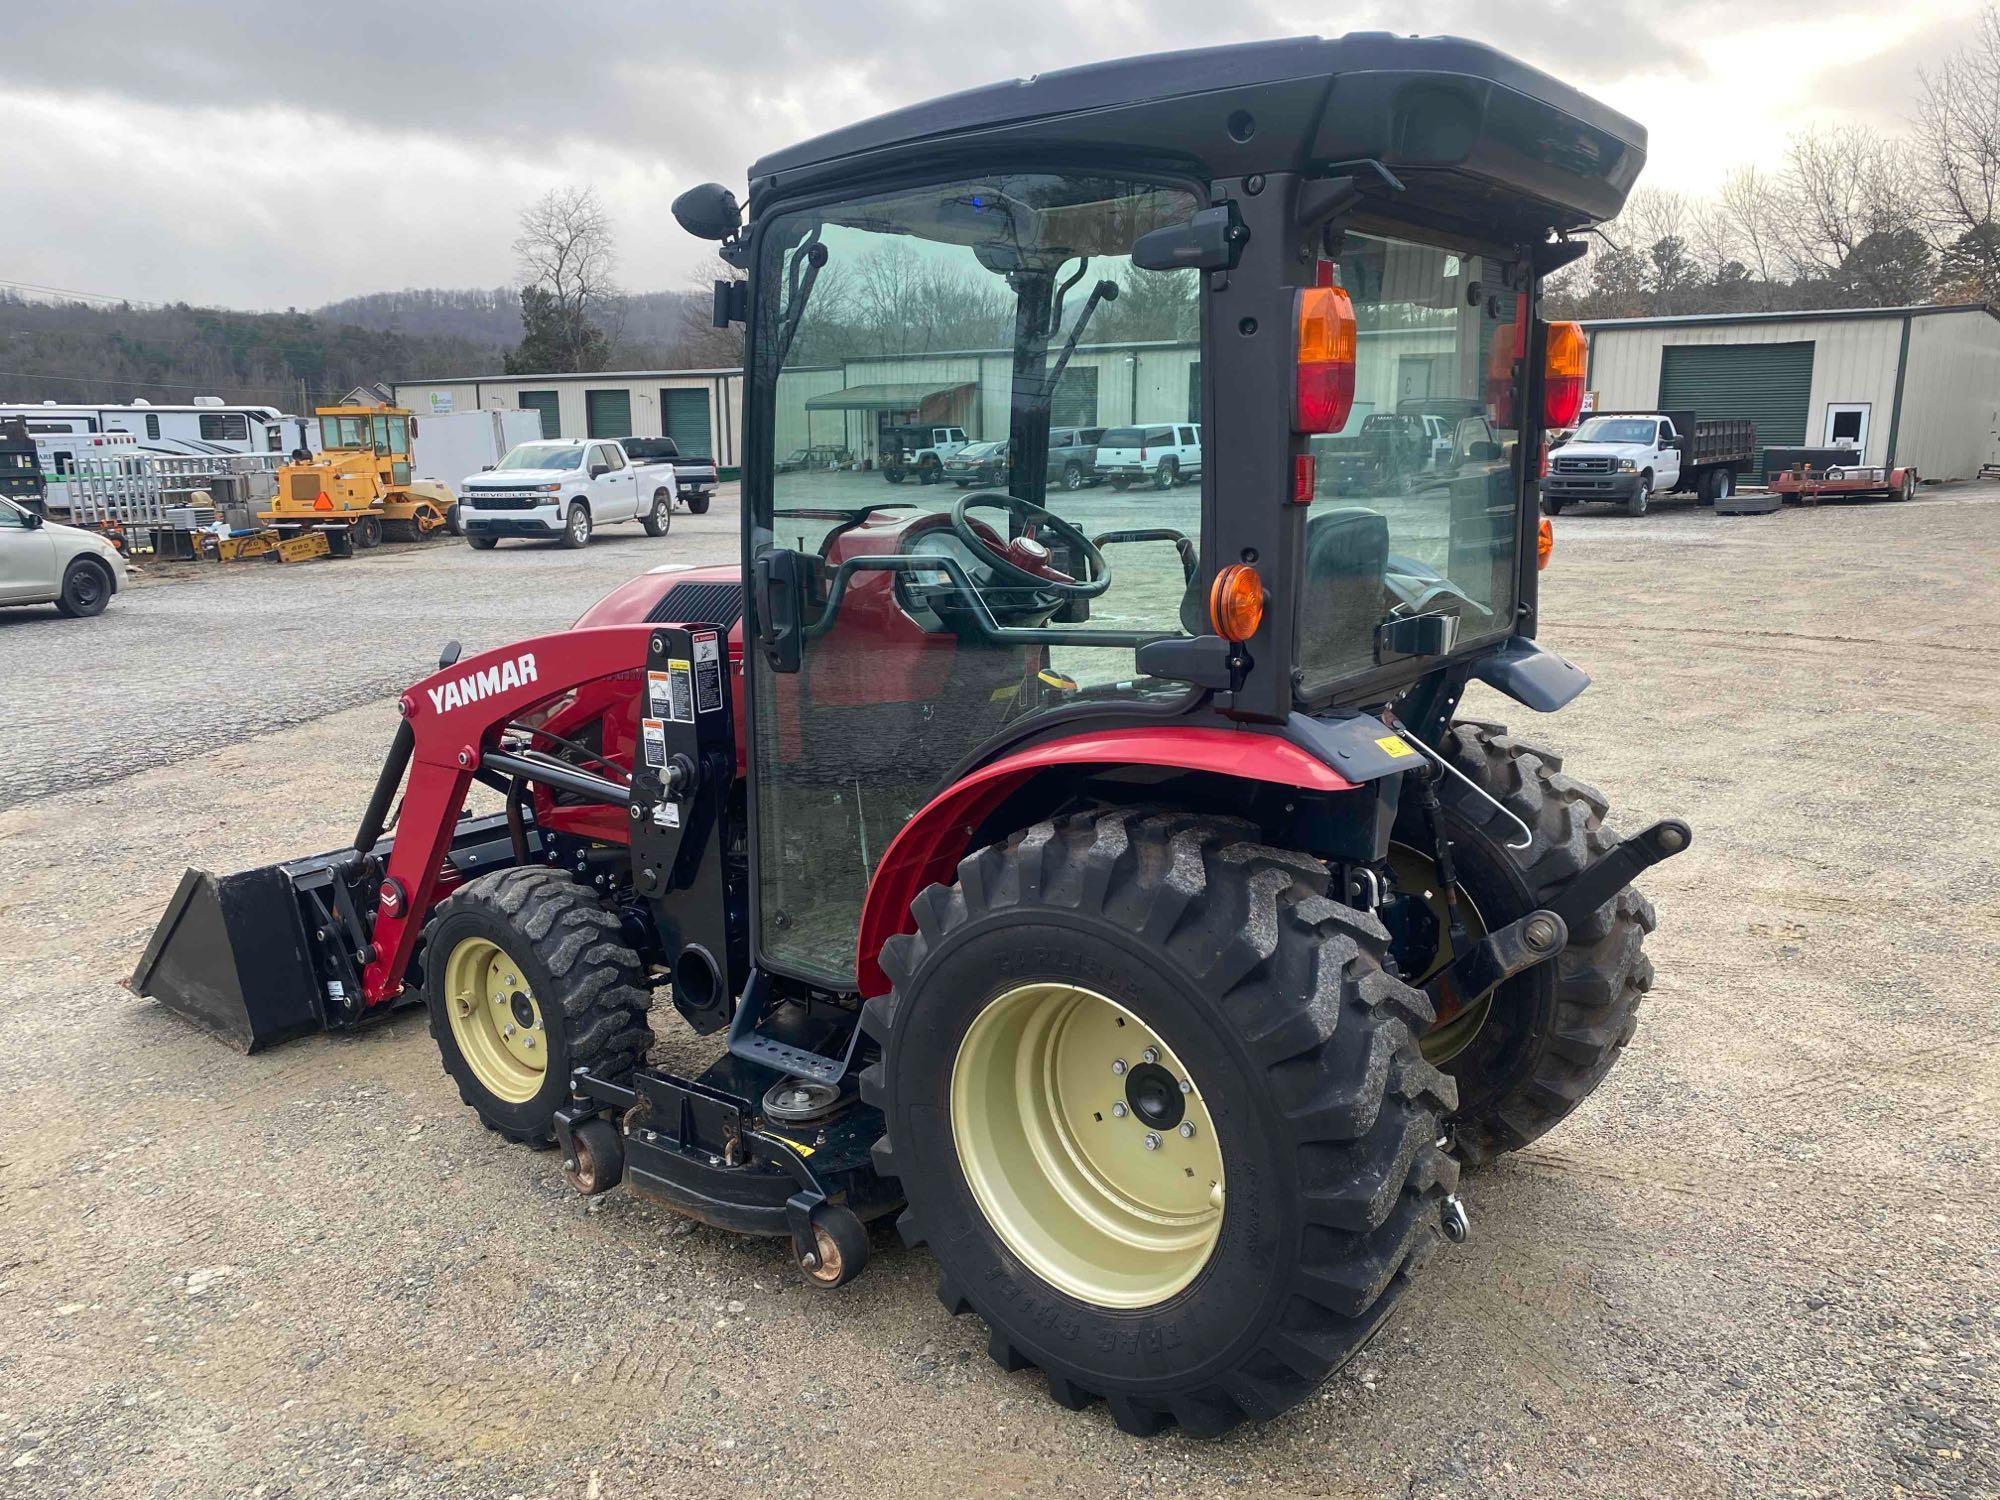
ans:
(1763, 1260)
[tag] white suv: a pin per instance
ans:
(1159, 453)
(42, 563)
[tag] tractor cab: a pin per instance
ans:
(1079, 861)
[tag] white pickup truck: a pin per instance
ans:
(563, 490)
(1629, 457)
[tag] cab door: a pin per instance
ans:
(1667, 466)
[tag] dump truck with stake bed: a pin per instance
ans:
(1102, 887)
(1628, 457)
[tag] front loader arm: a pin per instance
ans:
(454, 720)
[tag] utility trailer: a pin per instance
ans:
(1810, 484)
(1123, 909)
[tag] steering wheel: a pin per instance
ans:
(1025, 560)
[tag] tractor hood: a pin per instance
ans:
(1483, 144)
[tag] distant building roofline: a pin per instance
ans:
(1792, 315)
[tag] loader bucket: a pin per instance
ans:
(231, 955)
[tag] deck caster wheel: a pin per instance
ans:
(840, 1248)
(596, 1162)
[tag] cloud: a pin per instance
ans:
(289, 154)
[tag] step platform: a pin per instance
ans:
(1750, 503)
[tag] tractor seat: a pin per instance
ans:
(1347, 554)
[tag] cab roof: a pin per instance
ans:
(1476, 135)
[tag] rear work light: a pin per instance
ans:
(1563, 367)
(1236, 602)
(1323, 350)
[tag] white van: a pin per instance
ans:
(1158, 453)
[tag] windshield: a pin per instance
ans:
(1414, 500)
(1617, 430)
(943, 315)
(345, 432)
(543, 456)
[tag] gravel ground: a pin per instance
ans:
(1761, 1261)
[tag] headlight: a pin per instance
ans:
(548, 489)
(1627, 466)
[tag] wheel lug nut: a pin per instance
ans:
(1119, 1111)
(1118, 1066)
(1186, 1087)
(1187, 1130)
(1151, 1054)
(1152, 1141)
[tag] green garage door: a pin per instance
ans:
(1768, 383)
(684, 415)
(545, 403)
(607, 414)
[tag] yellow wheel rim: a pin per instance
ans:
(495, 1020)
(1417, 876)
(1087, 1145)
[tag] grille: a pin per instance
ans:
(699, 604)
(480, 501)
(1582, 465)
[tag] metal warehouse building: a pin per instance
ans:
(1905, 385)
(699, 409)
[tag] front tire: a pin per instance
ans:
(1310, 1181)
(86, 589)
(576, 526)
(1636, 504)
(1552, 1033)
(527, 978)
(1551, 506)
(660, 519)
(483, 543)
(366, 532)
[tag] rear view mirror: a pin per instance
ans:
(1211, 240)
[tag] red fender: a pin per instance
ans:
(930, 845)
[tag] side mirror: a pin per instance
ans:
(1484, 452)
(486, 468)
(597, 471)
(34, 520)
(708, 212)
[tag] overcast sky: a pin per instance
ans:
(278, 154)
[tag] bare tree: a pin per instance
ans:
(1842, 187)
(1752, 208)
(1957, 157)
(702, 344)
(568, 299)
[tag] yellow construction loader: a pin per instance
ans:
(360, 479)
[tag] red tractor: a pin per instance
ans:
(1098, 881)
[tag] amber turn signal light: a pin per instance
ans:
(1236, 602)
(1545, 543)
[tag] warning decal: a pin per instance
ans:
(707, 672)
(680, 691)
(1394, 747)
(657, 701)
(654, 733)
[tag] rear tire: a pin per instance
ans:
(1319, 1117)
(660, 519)
(1072, 476)
(697, 505)
(86, 589)
(1552, 1033)
(366, 532)
(894, 476)
(565, 981)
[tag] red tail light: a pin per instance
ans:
(1323, 350)
(1563, 367)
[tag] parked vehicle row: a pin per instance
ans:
(1161, 454)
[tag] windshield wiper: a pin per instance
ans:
(812, 258)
